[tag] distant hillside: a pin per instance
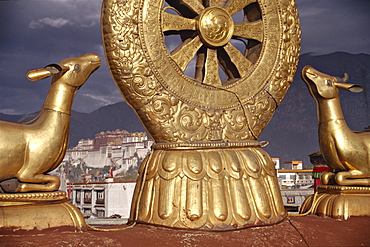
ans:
(86, 125)
(292, 132)
(111, 117)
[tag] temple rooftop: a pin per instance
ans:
(293, 231)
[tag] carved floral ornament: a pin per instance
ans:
(179, 94)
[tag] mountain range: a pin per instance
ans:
(291, 133)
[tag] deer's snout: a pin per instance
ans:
(93, 58)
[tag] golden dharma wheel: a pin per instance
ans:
(202, 71)
(205, 78)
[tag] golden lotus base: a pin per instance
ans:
(213, 189)
(338, 202)
(42, 210)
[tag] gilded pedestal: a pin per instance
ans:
(339, 202)
(208, 188)
(205, 78)
(28, 211)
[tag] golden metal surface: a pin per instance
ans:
(339, 202)
(207, 171)
(212, 189)
(215, 26)
(344, 150)
(175, 107)
(30, 198)
(28, 211)
(29, 151)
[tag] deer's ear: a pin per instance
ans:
(349, 87)
(55, 68)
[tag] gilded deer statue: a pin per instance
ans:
(29, 150)
(346, 151)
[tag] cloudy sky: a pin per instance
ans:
(35, 33)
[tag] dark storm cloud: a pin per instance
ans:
(335, 25)
(36, 33)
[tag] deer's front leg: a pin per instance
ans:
(38, 182)
(352, 177)
(327, 178)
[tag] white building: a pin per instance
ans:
(119, 149)
(276, 162)
(293, 165)
(102, 199)
(293, 198)
(292, 175)
(294, 178)
(296, 184)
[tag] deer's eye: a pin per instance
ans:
(77, 67)
(329, 83)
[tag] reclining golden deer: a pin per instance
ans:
(345, 151)
(28, 151)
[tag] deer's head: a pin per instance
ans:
(326, 86)
(72, 71)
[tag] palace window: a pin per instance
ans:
(78, 196)
(290, 199)
(100, 197)
(87, 198)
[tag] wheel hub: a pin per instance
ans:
(215, 26)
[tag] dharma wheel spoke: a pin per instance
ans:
(184, 6)
(239, 60)
(211, 76)
(199, 67)
(227, 66)
(176, 23)
(184, 53)
(218, 3)
(234, 6)
(249, 30)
